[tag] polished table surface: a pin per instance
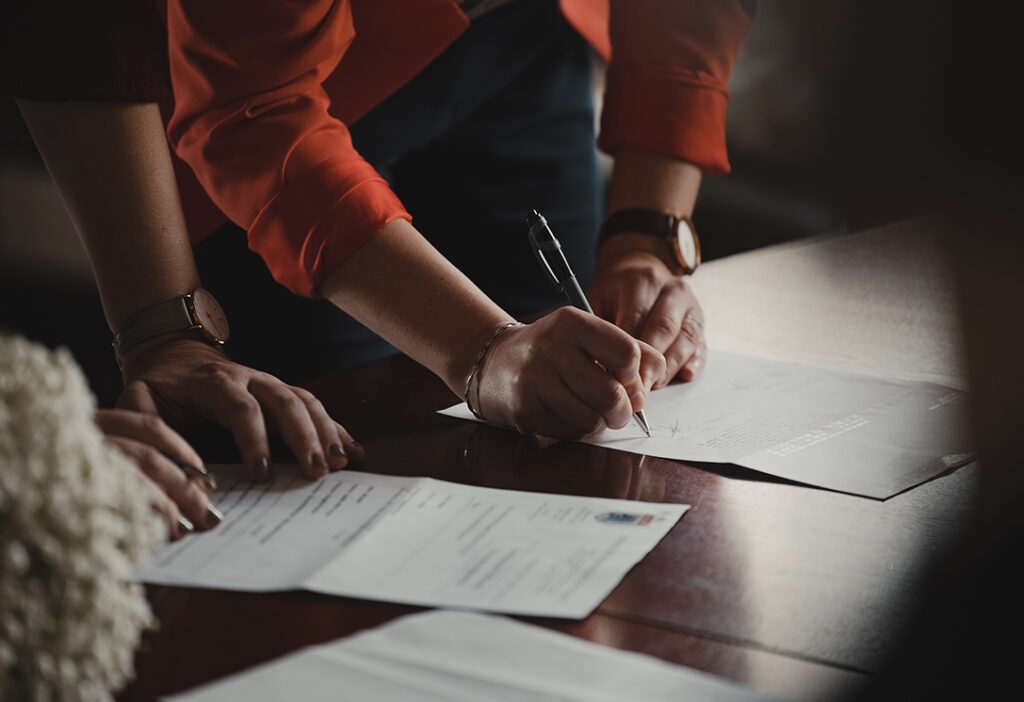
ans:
(793, 590)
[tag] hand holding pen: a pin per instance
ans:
(549, 254)
(568, 375)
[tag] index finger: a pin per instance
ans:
(616, 351)
(148, 429)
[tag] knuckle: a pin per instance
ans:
(573, 315)
(290, 402)
(218, 375)
(305, 396)
(646, 275)
(662, 326)
(242, 403)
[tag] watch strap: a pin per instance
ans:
(662, 225)
(639, 219)
(165, 317)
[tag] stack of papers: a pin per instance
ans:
(444, 656)
(416, 541)
(844, 431)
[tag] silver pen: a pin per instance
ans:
(552, 260)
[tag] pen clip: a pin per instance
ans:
(536, 223)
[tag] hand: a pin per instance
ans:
(156, 448)
(185, 377)
(637, 291)
(544, 378)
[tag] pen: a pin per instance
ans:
(552, 260)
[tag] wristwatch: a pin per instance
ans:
(677, 230)
(198, 310)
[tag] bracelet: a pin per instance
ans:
(479, 362)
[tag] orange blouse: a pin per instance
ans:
(264, 90)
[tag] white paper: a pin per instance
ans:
(462, 657)
(843, 431)
(416, 541)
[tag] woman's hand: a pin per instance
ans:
(637, 291)
(160, 454)
(182, 378)
(568, 375)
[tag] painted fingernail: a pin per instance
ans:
(185, 526)
(213, 516)
(336, 449)
(319, 462)
(260, 470)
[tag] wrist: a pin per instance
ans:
(169, 344)
(477, 370)
(616, 248)
(461, 365)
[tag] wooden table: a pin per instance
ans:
(793, 590)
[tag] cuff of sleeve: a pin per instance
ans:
(670, 111)
(301, 240)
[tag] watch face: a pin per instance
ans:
(686, 241)
(210, 315)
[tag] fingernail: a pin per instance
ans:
(185, 526)
(260, 470)
(336, 449)
(213, 516)
(318, 461)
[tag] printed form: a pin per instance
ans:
(416, 541)
(443, 656)
(843, 431)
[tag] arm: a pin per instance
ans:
(111, 164)
(258, 133)
(538, 378)
(664, 123)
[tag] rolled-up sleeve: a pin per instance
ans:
(667, 79)
(251, 119)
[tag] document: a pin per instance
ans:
(416, 541)
(443, 656)
(843, 431)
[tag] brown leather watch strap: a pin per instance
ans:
(639, 219)
(661, 225)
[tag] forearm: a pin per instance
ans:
(400, 286)
(654, 181)
(111, 164)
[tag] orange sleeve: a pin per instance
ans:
(251, 119)
(666, 83)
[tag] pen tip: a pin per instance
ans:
(641, 420)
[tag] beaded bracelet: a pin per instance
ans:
(479, 362)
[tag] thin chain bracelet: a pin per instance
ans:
(479, 362)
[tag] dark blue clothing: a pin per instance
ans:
(499, 124)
